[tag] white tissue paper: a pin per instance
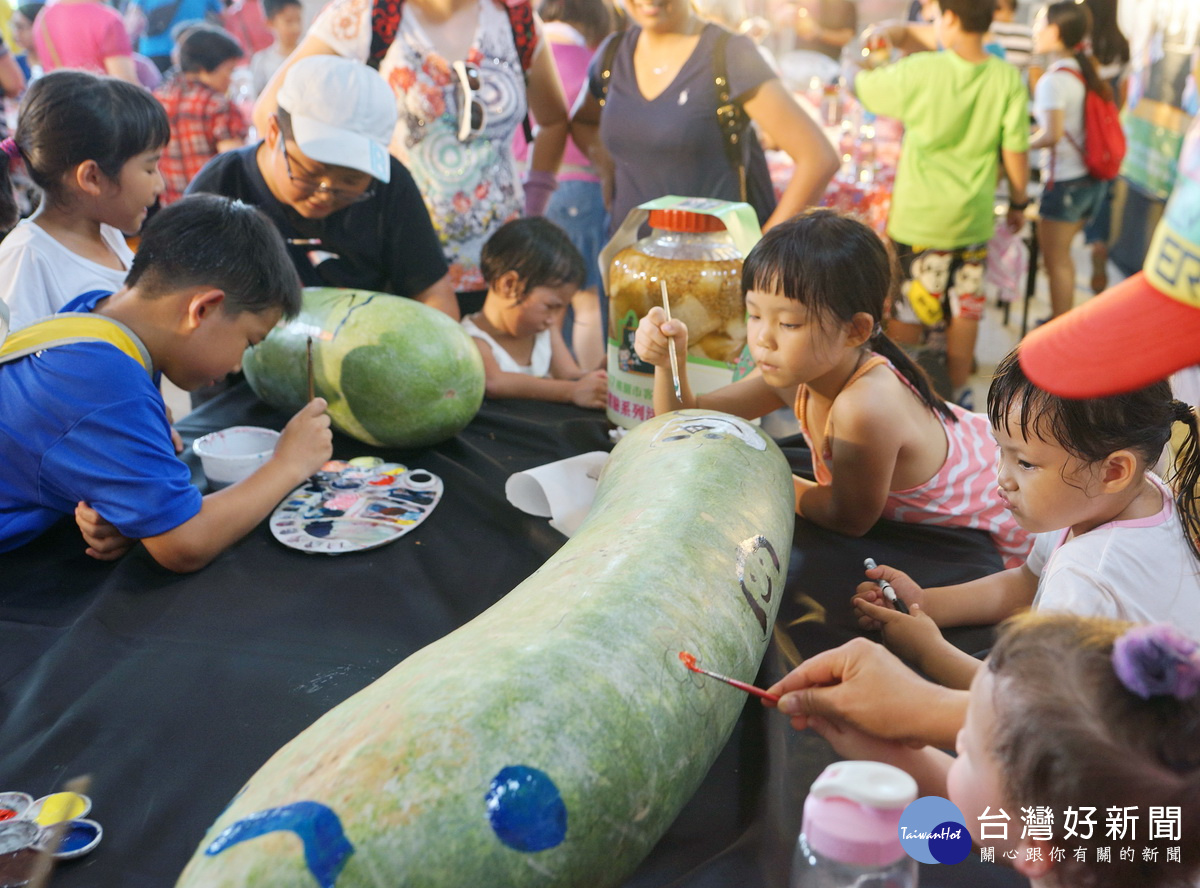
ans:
(561, 491)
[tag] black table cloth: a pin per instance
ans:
(170, 691)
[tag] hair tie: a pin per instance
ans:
(1157, 660)
(877, 332)
(9, 146)
(1181, 411)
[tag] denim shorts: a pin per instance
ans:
(577, 207)
(1074, 200)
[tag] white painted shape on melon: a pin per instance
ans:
(719, 424)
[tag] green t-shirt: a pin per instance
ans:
(957, 115)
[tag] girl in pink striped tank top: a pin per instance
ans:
(815, 290)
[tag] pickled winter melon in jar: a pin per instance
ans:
(702, 267)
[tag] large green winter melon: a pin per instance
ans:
(552, 740)
(395, 372)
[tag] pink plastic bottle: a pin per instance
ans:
(851, 832)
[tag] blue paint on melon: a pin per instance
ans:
(326, 848)
(525, 809)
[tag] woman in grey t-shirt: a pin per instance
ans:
(658, 133)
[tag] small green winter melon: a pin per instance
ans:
(396, 373)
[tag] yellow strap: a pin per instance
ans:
(1173, 264)
(71, 327)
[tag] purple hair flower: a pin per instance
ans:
(1157, 660)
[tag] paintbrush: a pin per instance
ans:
(311, 390)
(43, 864)
(671, 342)
(689, 660)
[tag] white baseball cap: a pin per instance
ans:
(342, 112)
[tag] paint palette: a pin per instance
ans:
(355, 505)
(53, 824)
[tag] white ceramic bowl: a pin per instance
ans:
(235, 453)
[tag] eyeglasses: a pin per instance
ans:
(316, 186)
(471, 114)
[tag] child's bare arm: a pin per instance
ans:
(1049, 135)
(588, 390)
(865, 460)
(652, 344)
(562, 363)
(917, 639)
(982, 602)
(228, 515)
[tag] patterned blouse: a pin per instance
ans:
(471, 187)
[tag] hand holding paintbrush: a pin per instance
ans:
(311, 387)
(655, 346)
(689, 660)
(671, 342)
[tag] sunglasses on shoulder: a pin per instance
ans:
(471, 114)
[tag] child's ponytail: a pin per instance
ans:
(1074, 21)
(910, 370)
(10, 154)
(1186, 475)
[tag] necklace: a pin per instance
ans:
(689, 29)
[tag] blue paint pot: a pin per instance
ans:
(79, 837)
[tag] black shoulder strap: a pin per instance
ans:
(606, 64)
(731, 117)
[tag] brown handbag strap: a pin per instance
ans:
(51, 48)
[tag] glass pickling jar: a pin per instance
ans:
(695, 255)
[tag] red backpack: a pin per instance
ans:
(1103, 146)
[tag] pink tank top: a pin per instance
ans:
(963, 493)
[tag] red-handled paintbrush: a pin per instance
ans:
(689, 660)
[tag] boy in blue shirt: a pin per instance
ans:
(84, 429)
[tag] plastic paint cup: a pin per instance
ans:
(232, 454)
(14, 804)
(59, 806)
(17, 834)
(80, 837)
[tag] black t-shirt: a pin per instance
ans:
(386, 243)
